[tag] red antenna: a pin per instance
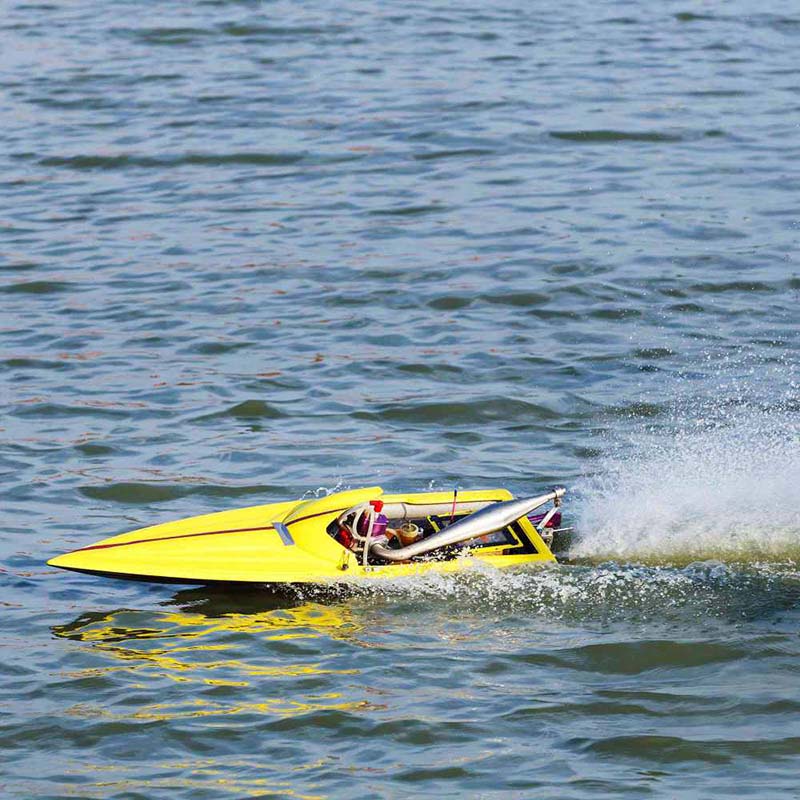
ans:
(453, 512)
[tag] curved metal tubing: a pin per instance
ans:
(410, 511)
(487, 520)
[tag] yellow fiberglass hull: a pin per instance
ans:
(279, 543)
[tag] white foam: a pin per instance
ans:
(702, 590)
(727, 489)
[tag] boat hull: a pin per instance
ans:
(279, 543)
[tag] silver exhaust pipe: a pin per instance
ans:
(488, 520)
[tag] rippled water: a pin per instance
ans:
(253, 250)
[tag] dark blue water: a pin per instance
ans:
(253, 250)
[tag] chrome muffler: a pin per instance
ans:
(487, 520)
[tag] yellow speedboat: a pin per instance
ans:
(360, 533)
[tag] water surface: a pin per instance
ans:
(256, 250)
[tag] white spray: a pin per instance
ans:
(726, 489)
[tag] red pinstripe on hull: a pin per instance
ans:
(215, 533)
(167, 538)
(202, 533)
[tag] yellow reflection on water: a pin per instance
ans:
(231, 778)
(216, 647)
(198, 708)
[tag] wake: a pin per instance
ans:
(725, 489)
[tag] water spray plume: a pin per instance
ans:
(726, 489)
